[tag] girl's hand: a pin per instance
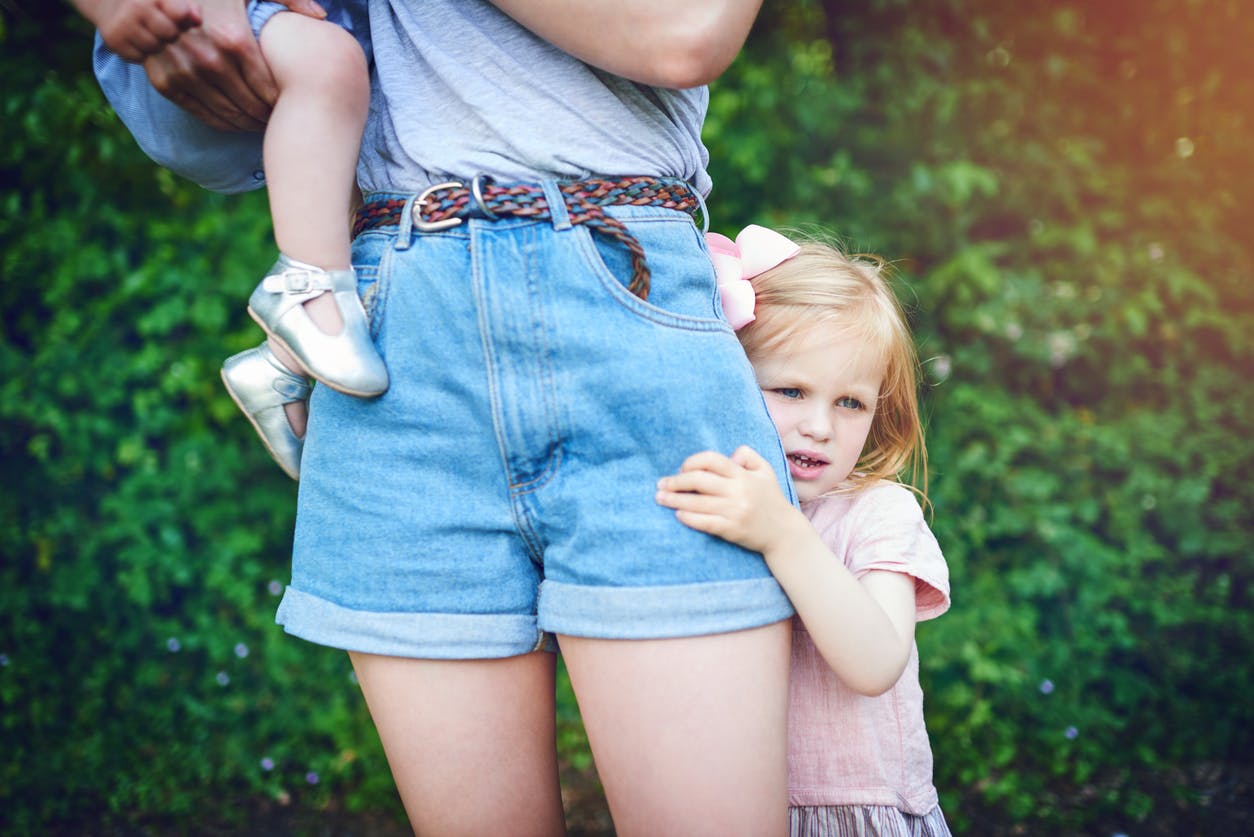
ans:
(864, 628)
(737, 499)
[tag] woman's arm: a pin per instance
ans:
(863, 627)
(663, 43)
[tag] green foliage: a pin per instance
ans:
(1058, 185)
(145, 535)
(1062, 186)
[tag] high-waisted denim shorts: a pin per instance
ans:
(502, 489)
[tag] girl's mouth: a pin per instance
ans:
(806, 465)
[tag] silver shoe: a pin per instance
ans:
(348, 361)
(260, 385)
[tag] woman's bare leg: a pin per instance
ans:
(470, 742)
(689, 735)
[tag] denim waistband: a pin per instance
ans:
(446, 205)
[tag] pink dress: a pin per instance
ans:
(857, 762)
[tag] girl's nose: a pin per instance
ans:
(817, 425)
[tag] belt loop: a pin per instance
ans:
(705, 211)
(557, 205)
(405, 226)
(476, 192)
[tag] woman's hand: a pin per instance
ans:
(736, 498)
(135, 29)
(210, 64)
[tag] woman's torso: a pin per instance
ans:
(460, 88)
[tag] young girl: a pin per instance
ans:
(834, 359)
(307, 302)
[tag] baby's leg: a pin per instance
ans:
(314, 136)
(310, 152)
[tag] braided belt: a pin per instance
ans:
(446, 205)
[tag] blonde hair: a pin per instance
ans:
(821, 287)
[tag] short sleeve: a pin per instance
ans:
(881, 527)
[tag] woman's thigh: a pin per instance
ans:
(470, 742)
(689, 735)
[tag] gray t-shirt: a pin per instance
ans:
(459, 89)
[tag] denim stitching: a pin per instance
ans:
(586, 248)
(521, 523)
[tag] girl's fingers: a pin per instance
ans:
(690, 502)
(749, 459)
(708, 460)
(700, 482)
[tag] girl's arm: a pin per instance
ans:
(863, 627)
(657, 42)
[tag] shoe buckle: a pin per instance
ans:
(423, 197)
(294, 280)
(297, 281)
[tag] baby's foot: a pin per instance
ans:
(259, 384)
(297, 411)
(315, 315)
(325, 314)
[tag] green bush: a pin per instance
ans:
(145, 535)
(1062, 187)
(1059, 186)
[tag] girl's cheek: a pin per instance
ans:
(778, 413)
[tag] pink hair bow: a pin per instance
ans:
(755, 250)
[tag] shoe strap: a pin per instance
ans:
(287, 383)
(298, 280)
(292, 388)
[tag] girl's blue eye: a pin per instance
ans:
(788, 392)
(849, 403)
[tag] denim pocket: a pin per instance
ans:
(682, 290)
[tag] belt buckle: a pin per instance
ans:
(433, 226)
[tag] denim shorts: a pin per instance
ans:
(502, 489)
